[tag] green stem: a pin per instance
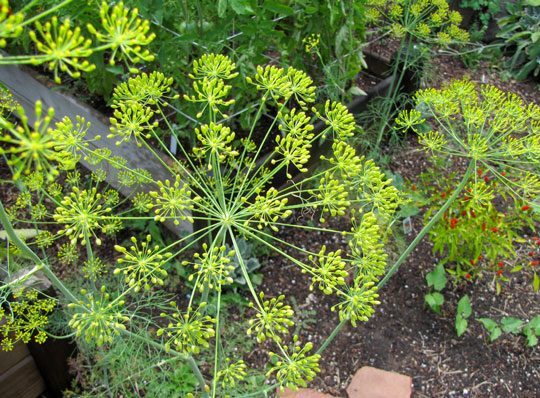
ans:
(332, 336)
(429, 225)
(45, 13)
(4, 219)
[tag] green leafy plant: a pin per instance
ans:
(436, 280)
(496, 134)
(485, 11)
(463, 312)
(415, 23)
(520, 31)
(512, 325)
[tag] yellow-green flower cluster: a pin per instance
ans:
(484, 124)
(97, 319)
(358, 302)
(428, 20)
(296, 368)
(338, 119)
(213, 267)
(125, 33)
(232, 374)
(328, 271)
(32, 148)
(83, 214)
(188, 332)
(268, 208)
(145, 89)
(215, 139)
(10, 23)
(142, 265)
(272, 319)
(65, 48)
(311, 42)
(27, 317)
(173, 201)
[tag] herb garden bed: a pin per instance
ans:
(292, 218)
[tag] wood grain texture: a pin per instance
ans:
(8, 359)
(22, 380)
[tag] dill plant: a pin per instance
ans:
(415, 24)
(224, 183)
(498, 136)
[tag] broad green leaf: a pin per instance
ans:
(495, 334)
(536, 282)
(437, 278)
(533, 3)
(509, 324)
(464, 307)
(434, 301)
(222, 7)
(241, 7)
(532, 340)
(488, 323)
(492, 327)
(278, 8)
(461, 325)
(534, 324)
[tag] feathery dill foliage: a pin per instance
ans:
(226, 183)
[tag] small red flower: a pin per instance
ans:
(443, 195)
(495, 229)
(484, 226)
(473, 214)
(500, 264)
(468, 276)
(486, 178)
(479, 172)
(479, 258)
(453, 222)
(525, 207)
(413, 187)
(464, 213)
(473, 262)
(499, 272)
(534, 263)
(503, 173)
(532, 254)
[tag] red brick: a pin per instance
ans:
(302, 393)
(370, 382)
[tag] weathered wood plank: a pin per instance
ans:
(22, 381)
(8, 359)
(27, 90)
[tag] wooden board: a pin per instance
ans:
(27, 90)
(8, 359)
(22, 379)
